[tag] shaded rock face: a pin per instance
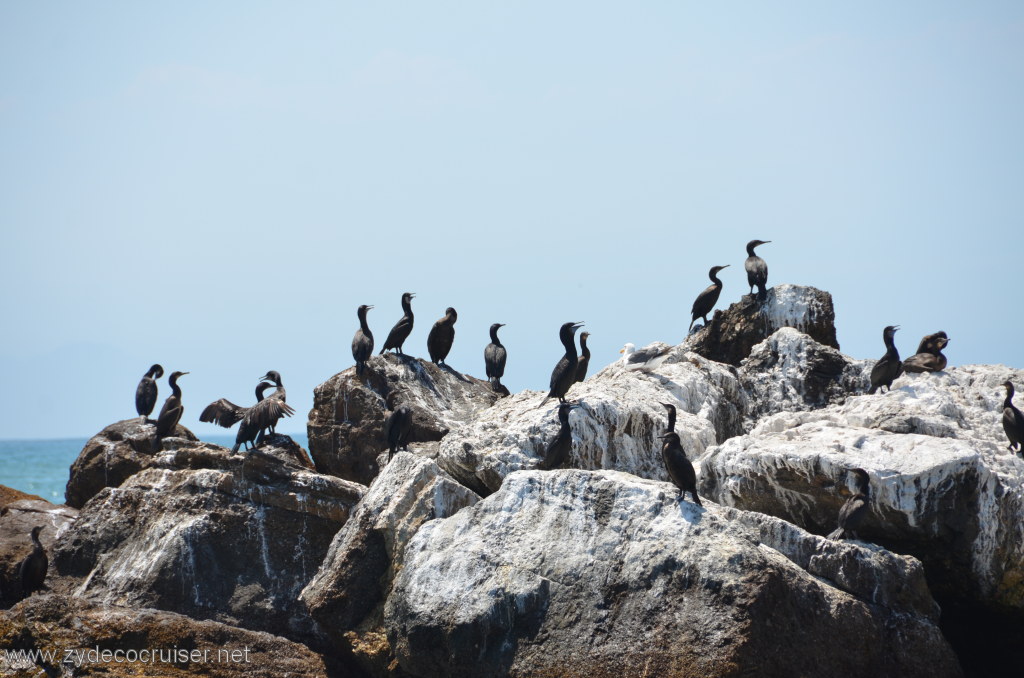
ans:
(17, 518)
(112, 455)
(576, 573)
(620, 414)
(732, 333)
(210, 535)
(54, 622)
(346, 596)
(943, 486)
(346, 423)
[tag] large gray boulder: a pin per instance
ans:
(201, 532)
(347, 595)
(346, 423)
(577, 573)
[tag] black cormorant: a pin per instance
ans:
(559, 448)
(564, 374)
(398, 427)
(400, 332)
(145, 394)
(670, 427)
(170, 413)
(679, 468)
(929, 356)
(707, 299)
(1013, 420)
(262, 416)
(494, 358)
(757, 270)
(32, 570)
(889, 367)
(279, 394)
(362, 343)
(442, 336)
(584, 360)
(856, 507)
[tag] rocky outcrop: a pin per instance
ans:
(112, 456)
(346, 423)
(17, 518)
(91, 639)
(576, 573)
(732, 333)
(212, 535)
(347, 595)
(943, 486)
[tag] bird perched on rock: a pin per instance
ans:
(145, 392)
(279, 394)
(397, 425)
(32, 570)
(564, 374)
(265, 413)
(670, 427)
(583, 362)
(757, 270)
(679, 468)
(400, 332)
(1013, 420)
(494, 359)
(855, 509)
(442, 336)
(170, 413)
(929, 356)
(889, 367)
(559, 448)
(362, 342)
(707, 299)
(646, 359)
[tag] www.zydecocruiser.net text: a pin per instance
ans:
(14, 659)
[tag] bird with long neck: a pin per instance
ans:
(929, 356)
(400, 332)
(1013, 420)
(146, 392)
(889, 366)
(564, 374)
(170, 413)
(362, 342)
(279, 394)
(442, 336)
(495, 356)
(247, 430)
(32, 570)
(679, 467)
(397, 425)
(670, 427)
(707, 299)
(757, 269)
(855, 509)
(561, 445)
(583, 362)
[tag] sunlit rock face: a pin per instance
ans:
(347, 595)
(943, 485)
(212, 535)
(579, 573)
(346, 423)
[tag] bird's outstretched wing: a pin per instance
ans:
(223, 412)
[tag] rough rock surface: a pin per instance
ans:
(577, 573)
(57, 623)
(210, 535)
(943, 486)
(113, 455)
(347, 595)
(17, 518)
(732, 333)
(346, 423)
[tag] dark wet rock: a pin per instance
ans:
(212, 535)
(732, 333)
(580, 573)
(51, 622)
(112, 456)
(347, 596)
(17, 518)
(346, 423)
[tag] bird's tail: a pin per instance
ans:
(546, 398)
(871, 391)
(382, 351)
(688, 329)
(762, 292)
(837, 533)
(234, 450)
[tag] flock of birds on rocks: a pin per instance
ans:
(260, 419)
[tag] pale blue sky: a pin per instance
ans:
(217, 186)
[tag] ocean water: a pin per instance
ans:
(41, 467)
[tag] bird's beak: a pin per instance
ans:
(895, 327)
(183, 374)
(622, 350)
(579, 324)
(369, 307)
(501, 324)
(727, 266)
